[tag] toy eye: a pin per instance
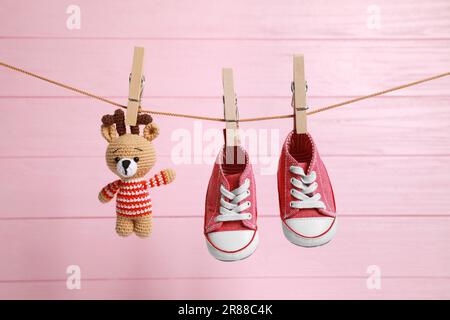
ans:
(116, 159)
(136, 159)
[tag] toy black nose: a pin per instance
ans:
(126, 164)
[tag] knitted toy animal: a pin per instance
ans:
(131, 156)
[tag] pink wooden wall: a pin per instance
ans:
(389, 158)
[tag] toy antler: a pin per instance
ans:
(142, 119)
(109, 131)
(118, 118)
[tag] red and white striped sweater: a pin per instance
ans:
(133, 196)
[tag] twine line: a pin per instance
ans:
(190, 116)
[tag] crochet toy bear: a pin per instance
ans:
(131, 156)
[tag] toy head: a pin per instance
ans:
(129, 155)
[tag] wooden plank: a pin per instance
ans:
(260, 288)
(265, 20)
(401, 247)
(356, 68)
(382, 126)
(68, 187)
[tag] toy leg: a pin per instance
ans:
(143, 226)
(124, 226)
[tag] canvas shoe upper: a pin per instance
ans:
(307, 204)
(230, 210)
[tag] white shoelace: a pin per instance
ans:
(307, 185)
(230, 210)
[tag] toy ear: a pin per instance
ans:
(151, 131)
(109, 132)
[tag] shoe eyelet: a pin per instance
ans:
(290, 204)
(250, 216)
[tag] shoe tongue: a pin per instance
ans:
(233, 180)
(303, 165)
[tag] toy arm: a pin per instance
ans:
(165, 176)
(108, 192)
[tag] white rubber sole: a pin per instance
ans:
(234, 256)
(309, 242)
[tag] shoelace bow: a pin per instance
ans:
(231, 210)
(306, 185)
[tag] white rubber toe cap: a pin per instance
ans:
(310, 227)
(310, 232)
(230, 241)
(232, 245)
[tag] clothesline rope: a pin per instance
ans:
(172, 114)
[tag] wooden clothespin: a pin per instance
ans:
(231, 132)
(136, 86)
(299, 95)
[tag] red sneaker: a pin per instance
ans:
(307, 206)
(230, 210)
